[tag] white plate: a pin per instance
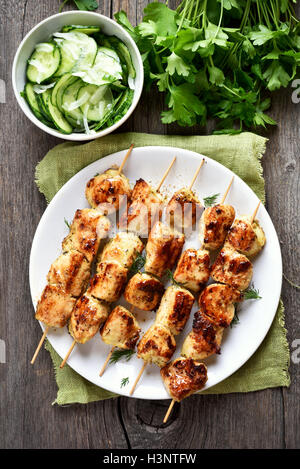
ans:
(239, 342)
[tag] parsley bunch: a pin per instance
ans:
(218, 59)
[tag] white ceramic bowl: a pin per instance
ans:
(42, 32)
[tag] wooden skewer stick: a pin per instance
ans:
(106, 361)
(40, 345)
(196, 174)
(138, 378)
(68, 354)
(165, 174)
(255, 212)
(169, 411)
(227, 190)
(111, 352)
(125, 158)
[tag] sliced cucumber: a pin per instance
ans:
(81, 29)
(106, 68)
(124, 54)
(60, 87)
(69, 97)
(43, 107)
(31, 98)
(59, 120)
(99, 101)
(43, 63)
(77, 50)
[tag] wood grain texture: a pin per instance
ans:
(267, 419)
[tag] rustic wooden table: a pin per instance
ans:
(267, 419)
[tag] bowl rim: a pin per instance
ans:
(79, 137)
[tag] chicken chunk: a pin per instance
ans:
(246, 237)
(162, 249)
(121, 329)
(232, 268)
(157, 345)
(123, 248)
(183, 377)
(193, 269)
(87, 317)
(108, 191)
(204, 339)
(70, 271)
(183, 209)
(144, 291)
(214, 225)
(218, 303)
(145, 209)
(175, 308)
(55, 306)
(109, 281)
(87, 230)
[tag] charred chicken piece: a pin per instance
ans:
(162, 249)
(214, 225)
(109, 281)
(121, 329)
(157, 345)
(70, 271)
(144, 291)
(183, 209)
(175, 308)
(217, 301)
(123, 248)
(87, 230)
(204, 339)
(108, 191)
(246, 237)
(193, 269)
(144, 210)
(55, 306)
(183, 377)
(232, 268)
(87, 317)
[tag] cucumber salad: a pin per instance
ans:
(80, 81)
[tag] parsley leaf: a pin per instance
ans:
(85, 5)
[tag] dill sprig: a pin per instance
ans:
(118, 354)
(235, 319)
(251, 294)
(210, 200)
(170, 276)
(124, 382)
(67, 223)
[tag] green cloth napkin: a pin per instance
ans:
(242, 153)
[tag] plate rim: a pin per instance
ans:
(166, 148)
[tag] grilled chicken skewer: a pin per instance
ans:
(158, 343)
(105, 287)
(145, 207)
(182, 377)
(108, 283)
(109, 191)
(217, 306)
(184, 206)
(70, 272)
